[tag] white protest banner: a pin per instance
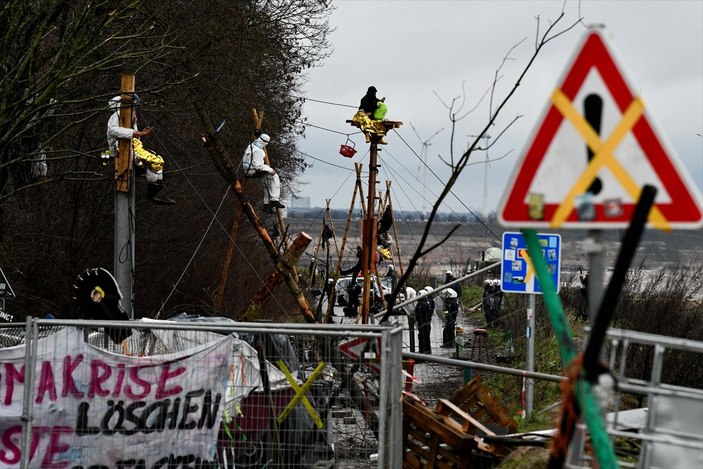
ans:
(98, 410)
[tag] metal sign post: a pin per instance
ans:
(517, 275)
(530, 365)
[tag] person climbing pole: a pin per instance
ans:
(253, 163)
(142, 157)
(372, 111)
(369, 102)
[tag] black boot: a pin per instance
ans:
(153, 191)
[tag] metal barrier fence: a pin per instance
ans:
(668, 432)
(158, 394)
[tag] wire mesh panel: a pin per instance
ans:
(180, 394)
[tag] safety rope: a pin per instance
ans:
(213, 219)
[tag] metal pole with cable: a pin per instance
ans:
(124, 241)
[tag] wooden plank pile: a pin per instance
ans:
(452, 434)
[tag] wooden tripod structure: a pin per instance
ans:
(388, 202)
(358, 189)
(257, 118)
(284, 264)
(326, 221)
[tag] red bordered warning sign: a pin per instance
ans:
(363, 348)
(594, 148)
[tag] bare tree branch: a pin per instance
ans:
(462, 162)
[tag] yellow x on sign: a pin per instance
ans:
(551, 187)
(300, 393)
(604, 156)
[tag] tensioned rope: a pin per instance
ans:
(214, 219)
(195, 252)
(326, 102)
(451, 192)
(418, 157)
(389, 169)
(405, 181)
(469, 226)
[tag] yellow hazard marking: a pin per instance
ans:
(603, 155)
(300, 393)
(523, 254)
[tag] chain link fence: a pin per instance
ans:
(199, 394)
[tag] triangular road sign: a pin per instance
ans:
(6, 292)
(594, 148)
(363, 348)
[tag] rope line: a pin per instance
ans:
(192, 257)
(326, 102)
(346, 134)
(212, 221)
(451, 191)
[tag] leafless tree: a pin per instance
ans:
(458, 163)
(61, 63)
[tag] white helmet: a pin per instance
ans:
(262, 141)
(114, 103)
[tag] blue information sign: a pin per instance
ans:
(517, 273)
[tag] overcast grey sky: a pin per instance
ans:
(416, 52)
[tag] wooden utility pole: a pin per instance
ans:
(375, 131)
(124, 235)
(369, 225)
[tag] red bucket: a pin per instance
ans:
(347, 151)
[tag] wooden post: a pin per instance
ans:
(399, 262)
(357, 189)
(228, 259)
(369, 231)
(123, 162)
(375, 131)
(227, 169)
(316, 251)
(291, 256)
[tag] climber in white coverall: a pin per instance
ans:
(253, 163)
